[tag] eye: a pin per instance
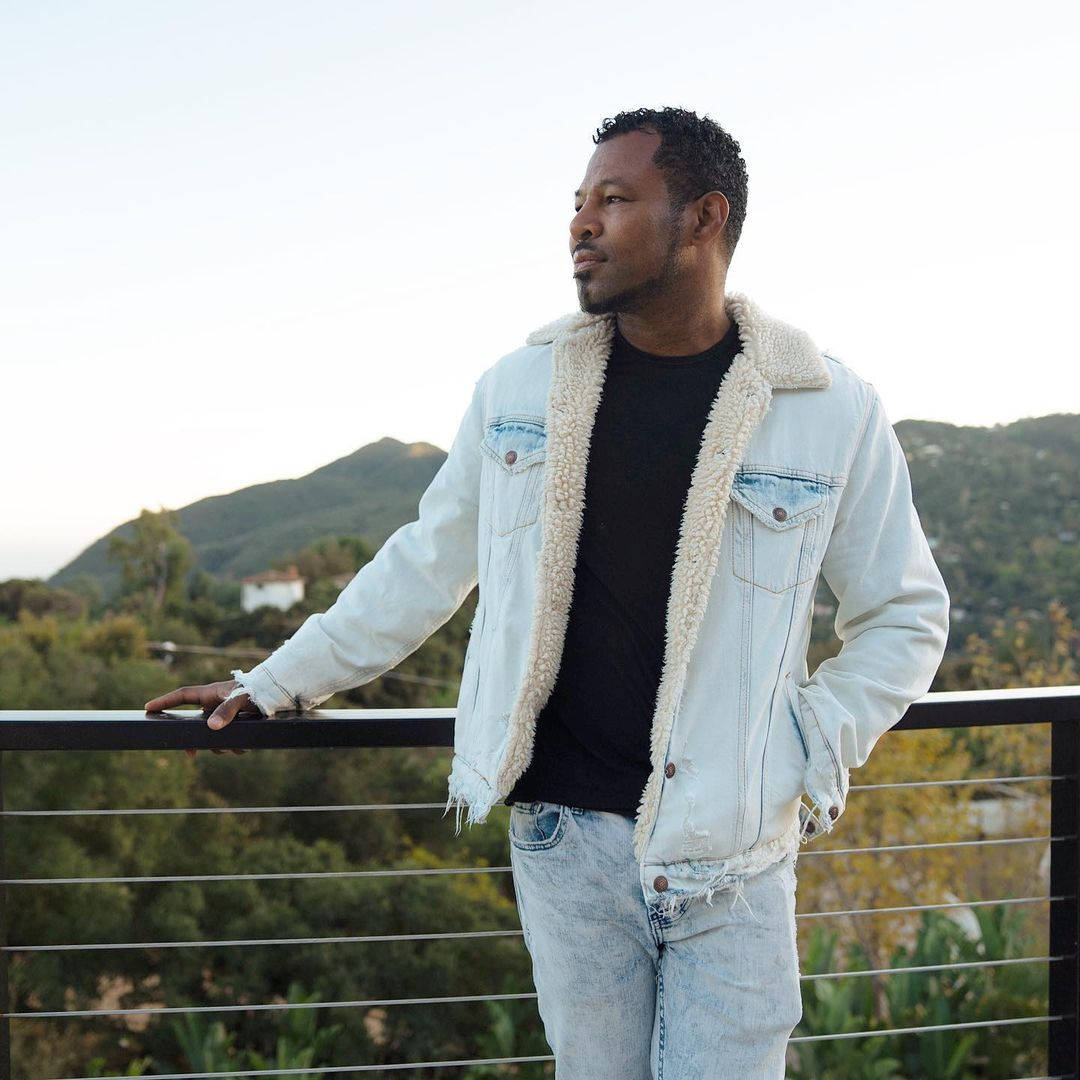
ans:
(607, 198)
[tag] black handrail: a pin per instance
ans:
(178, 729)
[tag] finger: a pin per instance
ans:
(170, 700)
(223, 715)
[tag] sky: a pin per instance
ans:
(242, 240)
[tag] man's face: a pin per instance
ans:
(623, 220)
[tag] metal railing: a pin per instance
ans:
(1059, 707)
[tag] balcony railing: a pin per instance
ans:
(1058, 708)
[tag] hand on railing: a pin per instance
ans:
(211, 699)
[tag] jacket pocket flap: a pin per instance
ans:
(779, 501)
(515, 442)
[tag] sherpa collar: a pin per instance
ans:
(773, 356)
(785, 356)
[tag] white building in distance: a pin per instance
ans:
(274, 588)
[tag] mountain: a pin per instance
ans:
(367, 493)
(1001, 507)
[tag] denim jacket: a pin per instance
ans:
(799, 473)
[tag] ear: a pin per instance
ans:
(712, 212)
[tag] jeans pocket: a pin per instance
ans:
(537, 826)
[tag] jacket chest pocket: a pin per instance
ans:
(514, 448)
(775, 529)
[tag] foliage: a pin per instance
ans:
(1000, 506)
(1024, 651)
(155, 561)
(135, 1067)
(254, 844)
(328, 557)
(36, 598)
(301, 1043)
(906, 999)
(512, 1032)
(1020, 650)
(206, 1046)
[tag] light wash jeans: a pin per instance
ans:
(626, 992)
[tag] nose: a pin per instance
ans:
(584, 225)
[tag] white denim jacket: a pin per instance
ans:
(799, 473)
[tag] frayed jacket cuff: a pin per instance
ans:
(265, 692)
(825, 779)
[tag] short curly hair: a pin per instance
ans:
(695, 154)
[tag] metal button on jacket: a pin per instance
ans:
(779, 513)
(660, 883)
(511, 457)
(670, 770)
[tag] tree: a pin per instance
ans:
(328, 557)
(155, 560)
(34, 596)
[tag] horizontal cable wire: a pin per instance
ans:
(937, 844)
(441, 806)
(337, 1068)
(365, 938)
(149, 1010)
(960, 783)
(915, 969)
(414, 1065)
(931, 907)
(63, 1014)
(300, 875)
(226, 943)
(930, 1027)
(226, 810)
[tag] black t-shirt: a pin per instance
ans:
(592, 735)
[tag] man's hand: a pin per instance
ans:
(211, 699)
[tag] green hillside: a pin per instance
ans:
(1001, 506)
(368, 493)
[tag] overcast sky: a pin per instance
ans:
(243, 239)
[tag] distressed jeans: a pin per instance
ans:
(706, 991)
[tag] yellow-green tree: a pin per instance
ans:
(155, 560)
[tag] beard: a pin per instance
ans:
(636, 297)
(631, 299)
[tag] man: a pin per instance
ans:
(646, 493)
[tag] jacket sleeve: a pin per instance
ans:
(892, 618)
(415, 582)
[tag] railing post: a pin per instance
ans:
(5, 1023)
(1063, 1051)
